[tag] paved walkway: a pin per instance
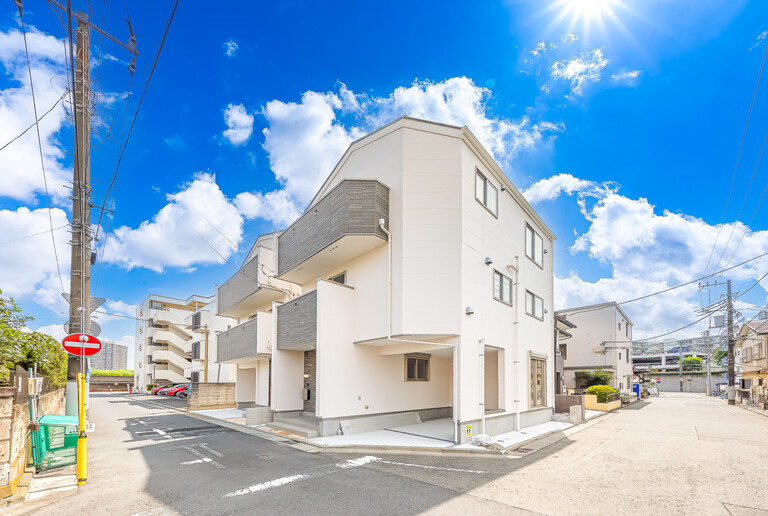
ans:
(676, 454)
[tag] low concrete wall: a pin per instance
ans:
(590, 403)
(206, 396)
(110, 383)
(13, 434)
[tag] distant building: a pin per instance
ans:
(664, 356)
(600, 339)
(112, 356)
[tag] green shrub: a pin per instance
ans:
(150, 387)
(594, 377)
(602, 392)
(111, 372)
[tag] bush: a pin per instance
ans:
(111, 372)
(590, 378)
(692, 364)
(603, 392)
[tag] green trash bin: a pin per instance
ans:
(55, 444)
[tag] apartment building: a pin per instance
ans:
(667, 355)
(416, 286)
(602, 339)
(112, 356)
(175, 338)
(751, 345)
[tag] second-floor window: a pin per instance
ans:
(486, 193)
(534, 305)
(155, 305)
(534, 246)
(502, 288)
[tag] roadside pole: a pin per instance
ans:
(82, 438)
(731, 365)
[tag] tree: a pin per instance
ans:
(718, 355)
(692, 364)
(21, 347)
(594, 377)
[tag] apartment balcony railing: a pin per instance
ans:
(297, 323)
(338, 228)
(247, 291)
(246, 341)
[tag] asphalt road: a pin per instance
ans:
(678, 454)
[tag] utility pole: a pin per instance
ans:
(680, 364)
(731, 359)
(80, 270)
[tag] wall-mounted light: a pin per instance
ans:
(470, 310)
(488, 260)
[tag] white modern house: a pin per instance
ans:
(417, 286)
(171, 339)
(601, 339)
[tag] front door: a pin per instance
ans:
(310, 368)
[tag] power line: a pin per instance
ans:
(136, 114)
(40, 143)
(753, 285)
(675, 286)
(762, 147)
(673, 331)
(34, 235)
(738, 156)
(34, 124)
(741, 208)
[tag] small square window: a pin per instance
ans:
(417, 367)
(155, 305)
(502, 288)
(534, 305)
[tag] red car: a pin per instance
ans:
(156, 389)
(179, 392)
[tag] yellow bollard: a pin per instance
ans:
(82, 440)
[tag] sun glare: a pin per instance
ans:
(583, 15)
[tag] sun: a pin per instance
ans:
(587, 13)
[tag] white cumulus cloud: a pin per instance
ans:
(551, 188)
(580, 71)
(627, 76)
(199, 225)
(20, 161)
(239, 124)
(230, 48)
(274, 206)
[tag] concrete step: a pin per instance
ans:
(303, 421)
(300, 430)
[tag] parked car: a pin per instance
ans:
(158, 388)
(164, 390)
(179, 392)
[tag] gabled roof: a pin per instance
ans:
(590, 308)
(462, 132)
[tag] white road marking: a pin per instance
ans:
(313, 473)
(204, 458)
(205, 447)
(160, 432)
(197, 461)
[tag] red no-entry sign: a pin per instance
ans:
(81, 345)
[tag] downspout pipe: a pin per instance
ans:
(516, 342)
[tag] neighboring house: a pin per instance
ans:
(752, 345)
(602, 339)
(562, 328)
(170, 341)
(112, 356)
(417, 285)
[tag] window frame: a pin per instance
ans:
(534, 234)
(417, 356)
(342, 273)
(503, 277)
(153, 307)
(532, 366)
(479, 176)
(533, 305)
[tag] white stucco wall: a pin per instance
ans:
(287, 380)
(245, 385)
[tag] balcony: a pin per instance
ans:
(247, 290)
(297, 323)
(246, 342)
(338, 228)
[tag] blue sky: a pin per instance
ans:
(624, 117)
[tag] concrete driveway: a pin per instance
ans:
(677, 454)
